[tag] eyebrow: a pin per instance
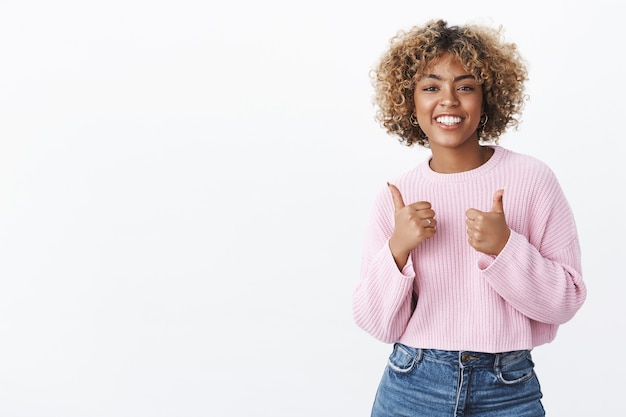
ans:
(439, 78)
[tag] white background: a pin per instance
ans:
(184, 187)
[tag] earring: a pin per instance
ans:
(420, 132)
(483, 120)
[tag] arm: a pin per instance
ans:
(545, 289)
(382, 301)
(539, 271)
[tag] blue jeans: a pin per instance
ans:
(438, 383)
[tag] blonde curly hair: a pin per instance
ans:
(496, 64)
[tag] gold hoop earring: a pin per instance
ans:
(483, 120)
(420, 133)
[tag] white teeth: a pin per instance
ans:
(449, 120)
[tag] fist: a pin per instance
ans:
(414, 223)
(487, 231)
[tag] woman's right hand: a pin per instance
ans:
(413, 224)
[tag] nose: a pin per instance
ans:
(448, 97)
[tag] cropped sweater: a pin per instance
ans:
(450, 296)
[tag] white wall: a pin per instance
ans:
(184, 186)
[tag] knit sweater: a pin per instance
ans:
(450, 296)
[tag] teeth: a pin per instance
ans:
(448, 120)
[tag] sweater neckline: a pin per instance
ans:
(429, 174)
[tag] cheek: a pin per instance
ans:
(475, 106)
(479, 103)
(422, 103)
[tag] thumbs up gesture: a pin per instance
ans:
(488, 232)
(414, 223)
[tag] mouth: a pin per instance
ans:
(449, 120)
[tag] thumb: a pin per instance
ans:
(396, 196)
(498, 206)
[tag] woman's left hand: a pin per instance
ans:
(487, 231)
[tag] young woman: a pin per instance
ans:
(471, 259)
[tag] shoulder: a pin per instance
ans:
(532, 182)
(412, 174)
(529, 164)
(405, 182)
(520, 158)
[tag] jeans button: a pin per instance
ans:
(465, 358)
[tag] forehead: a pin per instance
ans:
(446, 66)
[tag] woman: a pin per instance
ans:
(471, 259)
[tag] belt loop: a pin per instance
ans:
(419, 355)
(496, 362)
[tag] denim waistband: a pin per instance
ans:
(469, 358)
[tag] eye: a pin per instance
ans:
(467, 88)
(430, 88)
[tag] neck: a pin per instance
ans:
(453, 160)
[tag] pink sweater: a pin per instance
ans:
(466, 300)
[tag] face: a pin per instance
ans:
(448, 104)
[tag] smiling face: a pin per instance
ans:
(448, 104)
